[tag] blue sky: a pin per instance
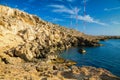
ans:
(102, 16)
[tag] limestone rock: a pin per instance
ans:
(29, 49)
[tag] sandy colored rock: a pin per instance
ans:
(29, 49)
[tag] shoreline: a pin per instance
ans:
(99, 57)
(29, 47)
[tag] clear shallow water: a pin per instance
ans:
(107, 56)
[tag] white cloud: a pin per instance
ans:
(116, 22)
(57, 6)
(63, 9)
(110, 9)
(74, 12)
(89, 19)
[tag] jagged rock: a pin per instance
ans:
(25, 37)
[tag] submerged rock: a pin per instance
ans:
(82, 51)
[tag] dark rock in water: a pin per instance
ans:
(82, 51)
(103, 39)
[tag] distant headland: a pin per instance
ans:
(29, 48)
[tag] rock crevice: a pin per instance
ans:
(27, 43)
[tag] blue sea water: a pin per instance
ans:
(107, 56)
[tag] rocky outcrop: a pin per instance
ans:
(34, 37)
(46, 70)
(28, 44)
(103, 38)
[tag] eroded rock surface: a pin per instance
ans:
(29, 36)
(45, 70)
(29, 47)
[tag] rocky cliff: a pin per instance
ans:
(28, 44)
(22, 33)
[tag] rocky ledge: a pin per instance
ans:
(29, 49)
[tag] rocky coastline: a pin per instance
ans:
(29, 48)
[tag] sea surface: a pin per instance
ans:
(107, 56)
